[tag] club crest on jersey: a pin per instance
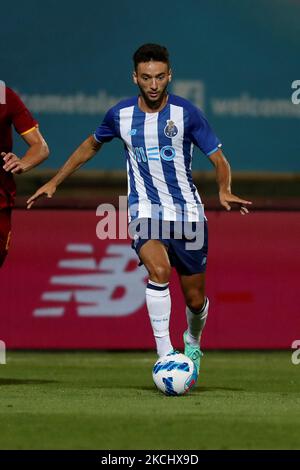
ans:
(170, 130)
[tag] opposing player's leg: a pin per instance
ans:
(5, 230)
(193, 288)
(154, 256)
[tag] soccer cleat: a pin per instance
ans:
(193, 352)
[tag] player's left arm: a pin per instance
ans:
(223, 176)
(37, 152)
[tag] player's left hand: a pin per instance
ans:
(12, 163)
(227, 197)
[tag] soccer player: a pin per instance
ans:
(13, 112)
(159, 131)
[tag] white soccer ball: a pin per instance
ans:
(174, 374)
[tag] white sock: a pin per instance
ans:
(159, 307)
(196, 323)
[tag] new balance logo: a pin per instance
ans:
(132, 132)
(90, 286)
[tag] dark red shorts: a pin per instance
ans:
(5, 228)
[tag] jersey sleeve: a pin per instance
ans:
(20, 116)
(202, 134)
(107, 130)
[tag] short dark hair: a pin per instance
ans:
(148, 52)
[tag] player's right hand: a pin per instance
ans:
(47, 190)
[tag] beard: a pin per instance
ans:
(154, 104)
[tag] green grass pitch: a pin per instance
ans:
(101, 400)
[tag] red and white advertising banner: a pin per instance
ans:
(62, 287)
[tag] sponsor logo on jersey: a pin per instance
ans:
(132, 132)
(166, 153)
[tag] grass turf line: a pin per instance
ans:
(96, 400)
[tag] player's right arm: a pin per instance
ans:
(82, 154)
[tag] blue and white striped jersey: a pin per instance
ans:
(159, 148)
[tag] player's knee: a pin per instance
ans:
(195, 301)
(160, 273)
